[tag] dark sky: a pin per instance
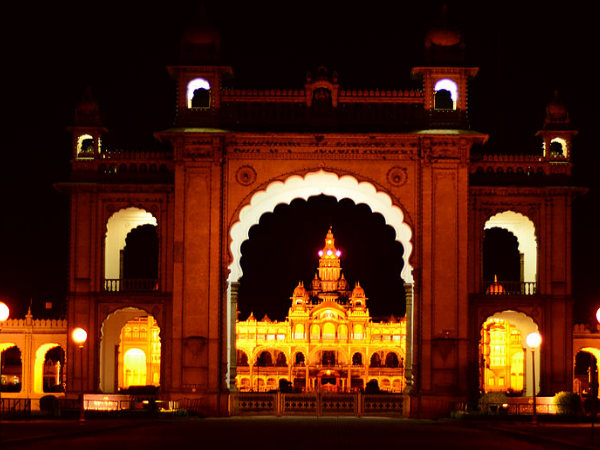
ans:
(52, 52)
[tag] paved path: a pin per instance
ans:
(291, 433)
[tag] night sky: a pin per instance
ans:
(52, 52)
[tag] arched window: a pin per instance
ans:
(85, 146)
(12, 368)
(242, 358)
(328, 358)
(264, 359)
(446, 94)
(357, 359)
(328, 331)
(342, 332)
(198, 93)
(299, 331)
(391, 360)
(375, 360)
(281, 360)
(315, 332)
(300, 359)
(358, 331)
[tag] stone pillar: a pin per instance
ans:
(233, 300)
(408, 360)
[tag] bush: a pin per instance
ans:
(49, 404)
(492, 402)
(567, 403)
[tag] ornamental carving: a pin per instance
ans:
(245, 175)
(397, 176)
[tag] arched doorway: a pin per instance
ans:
(130, 339)
(12, 368)
(585, 374)
(303, 187)
(505, 362)
(48, 371)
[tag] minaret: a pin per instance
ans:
(329, 264)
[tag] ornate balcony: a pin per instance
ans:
(510, 288)
(131, 285)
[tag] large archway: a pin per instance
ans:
(514, 362)
(303, 187)
(124, 330)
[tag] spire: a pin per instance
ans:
(329, 251)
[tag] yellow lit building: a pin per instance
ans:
(327, 342)
(503, 355)
(139, 353)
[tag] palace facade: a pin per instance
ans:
(327, 342)
(160, 234)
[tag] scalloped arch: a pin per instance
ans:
(313, 184)
(524, 229)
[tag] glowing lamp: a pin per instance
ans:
(597, 315)
(329, 252)
(338, 253)
(4, 312)
(534, 339)
(79, 335)
(320, 252)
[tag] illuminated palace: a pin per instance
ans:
(485, 237)
(327, 342)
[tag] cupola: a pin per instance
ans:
(557, 134)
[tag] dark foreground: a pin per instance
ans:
(292, 433)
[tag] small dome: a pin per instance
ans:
(556, 111)
(299, 291)
(87, 111)
(358, 291)
(201, 42)
(444, 37)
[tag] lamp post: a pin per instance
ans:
(594, 384)
(533, 341)
(79, 336)
(4, 313)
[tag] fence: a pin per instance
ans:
(318, 404)
(15, 407)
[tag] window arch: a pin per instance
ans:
(446, 94)
(524, 230)
(198, 93)
(85, 146)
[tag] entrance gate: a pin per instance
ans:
(318, 404)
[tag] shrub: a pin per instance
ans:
(491, 402)
(567, 403)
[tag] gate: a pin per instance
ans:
(318, 404)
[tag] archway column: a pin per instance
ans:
(408, 360)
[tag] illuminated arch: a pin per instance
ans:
(314, 184)
(118, 227)
(5, 346)
(85, 148)
(110, 338)
(524, 229)
(449, 85)
(525, 325)
(38, 366)
(193, 86)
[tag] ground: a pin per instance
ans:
(294, 432)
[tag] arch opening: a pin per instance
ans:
(524, 230)
(48, 371)
(505, 360)
(126, 334)
(198, 93)
(119, 228)
(12, 368)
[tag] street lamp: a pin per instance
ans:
(79, 336)
(4, 313)
(533, 341)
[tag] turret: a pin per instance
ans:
(557, 133)
(329, 264)
(87, 129)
